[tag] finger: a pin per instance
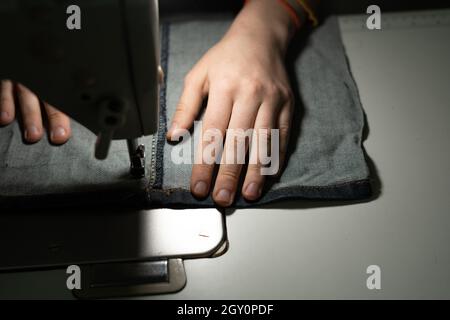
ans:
(236, 145)
(7, 108)
(265, 122)
(284, 125)
(59, 124)
(31, 114)
(215, 122)
(188, 106)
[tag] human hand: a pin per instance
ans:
(16, 99)
(246, 83)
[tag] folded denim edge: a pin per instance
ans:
(141, 199)
(347, 191)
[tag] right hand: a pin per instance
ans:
(246, 83)
(16, 101)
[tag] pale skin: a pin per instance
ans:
(244, 79)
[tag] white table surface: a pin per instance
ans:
(403, 73)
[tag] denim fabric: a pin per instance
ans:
(326, 159)
(28, 172)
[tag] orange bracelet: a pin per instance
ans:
(294, 8)
(291, 11)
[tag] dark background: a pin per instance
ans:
(329, 6)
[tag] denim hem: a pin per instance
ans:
(347, 191)
(162, 129)
(182, 199)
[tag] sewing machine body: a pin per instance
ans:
(104, 75)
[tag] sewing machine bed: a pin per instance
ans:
(325, 161)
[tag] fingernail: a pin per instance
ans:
(170, 131)
(59, 132)
(223, 196)
(4, 116)
(31, 131)
(176, 133)
(200, 188)
(253, 190)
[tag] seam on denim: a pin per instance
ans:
(350, 191)
(161, 134)
(325, 187)
(152, 176)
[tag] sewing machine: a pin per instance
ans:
(105, 76)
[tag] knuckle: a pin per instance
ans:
(229, 173)
(181, 108)
(226, 85)
(285, 92)
(252, 86)
(183, 112)
(274, 91)
(54, 115)
(290, 99)
(200, 169)
(4, 100)
(238, 134)
(253, 169)
(284, 129)
(213, 127)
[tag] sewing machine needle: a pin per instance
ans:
(137, 158)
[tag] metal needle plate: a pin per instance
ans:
(61, 238)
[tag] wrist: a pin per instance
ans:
(265, 21)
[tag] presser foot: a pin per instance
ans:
(137, 158)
